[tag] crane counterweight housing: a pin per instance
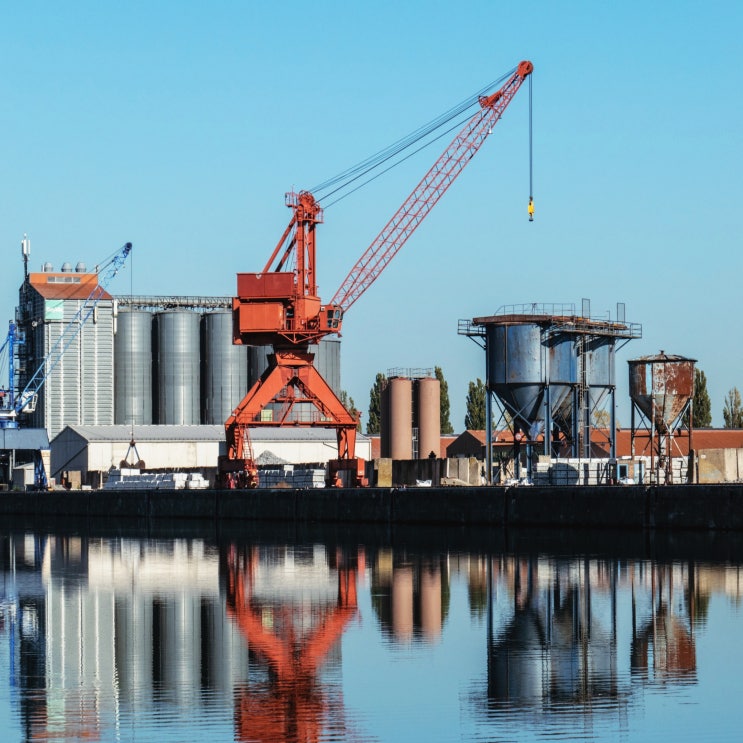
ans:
(280, 306)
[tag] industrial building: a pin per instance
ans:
(84, 455)
(135, 364)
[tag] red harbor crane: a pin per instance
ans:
(280, 307)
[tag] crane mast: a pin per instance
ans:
(280, 307)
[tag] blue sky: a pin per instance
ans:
(179, 126)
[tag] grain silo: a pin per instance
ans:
(517, 369)
(401, 417)
(661, 388)
(133, 368)
(428, 397)
(178, 372)
(224, 370)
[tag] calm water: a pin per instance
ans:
(268, 636)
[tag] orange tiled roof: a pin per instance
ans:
(65, 285)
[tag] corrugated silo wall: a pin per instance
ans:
(600, 370)
(429, 417)
(80, 388)
(133, 368)
(224, 368)
(178, 368)
(401, 418)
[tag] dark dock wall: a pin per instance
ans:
(700, 507)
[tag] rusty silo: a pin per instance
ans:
(401, 417)
(428, 397)
(661, 388)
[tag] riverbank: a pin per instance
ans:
(697, 507)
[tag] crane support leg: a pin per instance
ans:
(300, 398)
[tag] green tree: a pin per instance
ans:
(374, 421)
(475, 416)
(350, 406)
(446, 426)
(702, 415)
(732, 411)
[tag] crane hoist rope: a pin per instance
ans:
(423, 136)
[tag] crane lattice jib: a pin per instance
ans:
(427, 193)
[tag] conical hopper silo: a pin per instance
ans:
(661, 387)
(516, 370)
(562, 376)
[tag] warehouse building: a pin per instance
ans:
(85, 455)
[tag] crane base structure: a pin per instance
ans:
(299, 396)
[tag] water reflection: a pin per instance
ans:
(410, 595)
(120, 638)
(292, 608)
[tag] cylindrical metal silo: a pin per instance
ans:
(661, 386)
(178, 368)
(561, 377)
(401, 418)
(429, 417)
(516, 369)
(327, 361)
(257, 362)
(225, 368)
(133, 368)
(600, 372)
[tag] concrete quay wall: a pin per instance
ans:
(700, 507)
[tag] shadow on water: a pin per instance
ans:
(661, 545)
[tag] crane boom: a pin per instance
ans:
(431, 188)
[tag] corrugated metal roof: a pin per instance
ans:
(31, 439)
(196, 433)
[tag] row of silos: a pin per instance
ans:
(180, 367)
(410, 417)
(536, 369)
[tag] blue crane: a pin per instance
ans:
(13, 402)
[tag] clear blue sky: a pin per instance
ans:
(180, 125)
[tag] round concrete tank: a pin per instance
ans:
(516, 369)
(133, 368)
(429, 417)
(661, 386)
(384, 421)
(401, 418)
(225, 368)
(178, 368)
